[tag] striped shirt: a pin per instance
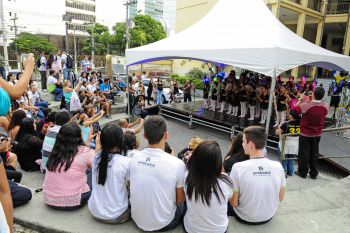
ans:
(49, 142)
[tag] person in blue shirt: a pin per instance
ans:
(105, 88)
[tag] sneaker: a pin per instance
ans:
(44, 90)
(109, 117)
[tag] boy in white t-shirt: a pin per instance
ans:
(258, 184)
(156, 182)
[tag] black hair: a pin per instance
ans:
(46, 112)
(319, 93)
(66, 147)
(9, 76)
(167, 148)
(26, 127)
(204, 173)
(16, 119)
(257, 135)
(111, 143)
(154, 128)
(92, 72)
(51, 116)
(129, 141)
(61, 118)
(51, 72)
(18, 74)
(236, 147)
(295, 114)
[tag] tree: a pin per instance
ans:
(102, 39)
(146, 30)
(28, 43)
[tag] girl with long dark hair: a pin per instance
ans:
(207, 190)
(67, 186)
(109, 199)
(29, 145)
(236, 153)
(15, 122)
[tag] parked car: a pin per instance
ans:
(166, 91)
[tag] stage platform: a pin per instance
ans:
(192, 113)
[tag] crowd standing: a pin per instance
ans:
(105, 168)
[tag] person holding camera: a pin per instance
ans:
(311, 126)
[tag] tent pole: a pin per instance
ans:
(272, 92)
(127, 92)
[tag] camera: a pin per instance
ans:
(5, 138)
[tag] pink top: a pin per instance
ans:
(65, 188)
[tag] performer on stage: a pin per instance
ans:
(206, 89)
(235, 102)
(252, 102)
(229, 98)
(264, 103)
(243, 100)
(282, 100)
(214, 96)
(222, 98)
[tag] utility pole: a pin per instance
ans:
(14, 19)
(75, 51)
(92, 47)
(4, 36)
(127, 25)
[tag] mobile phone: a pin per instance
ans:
(95, 128)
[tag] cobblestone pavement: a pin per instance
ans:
(21, 229)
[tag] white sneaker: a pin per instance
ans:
(44, 90)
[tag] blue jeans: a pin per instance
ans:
(20, 195)
(67, 74)
(159, 97)
(288, 164)
(58, 92)
(42, 104)
(179, 215)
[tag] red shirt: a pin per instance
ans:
(312, 120)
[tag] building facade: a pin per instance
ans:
(153, 8)
(326, 24)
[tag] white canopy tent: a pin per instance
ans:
(245, 34)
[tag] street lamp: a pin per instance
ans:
(127, 25)
(67, 19)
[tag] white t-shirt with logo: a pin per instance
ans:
(154, 177)
(34, 96)
(109, 201)
(258, 182)
(208, 219)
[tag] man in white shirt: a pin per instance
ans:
(42, 69)
(33, 94)
(143, 76)
(258, 184)
(156, 182)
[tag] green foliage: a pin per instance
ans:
(102, 38)
(195, 73)
(197, 82)
(28, 43)
(146, 30)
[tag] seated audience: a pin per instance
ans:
(207, 190)
(236, 153)
(109, 198)
(258, 183)
(61, 118)
(139, 107)
(15, 122)
(127, 127)
(54, 86)
(67, 186)
(29, 145)
(157, 200)
(33, 94)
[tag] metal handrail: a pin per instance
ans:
(283, 139)
(338, 8)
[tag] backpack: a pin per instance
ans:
(38, 62)
(69, 61)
